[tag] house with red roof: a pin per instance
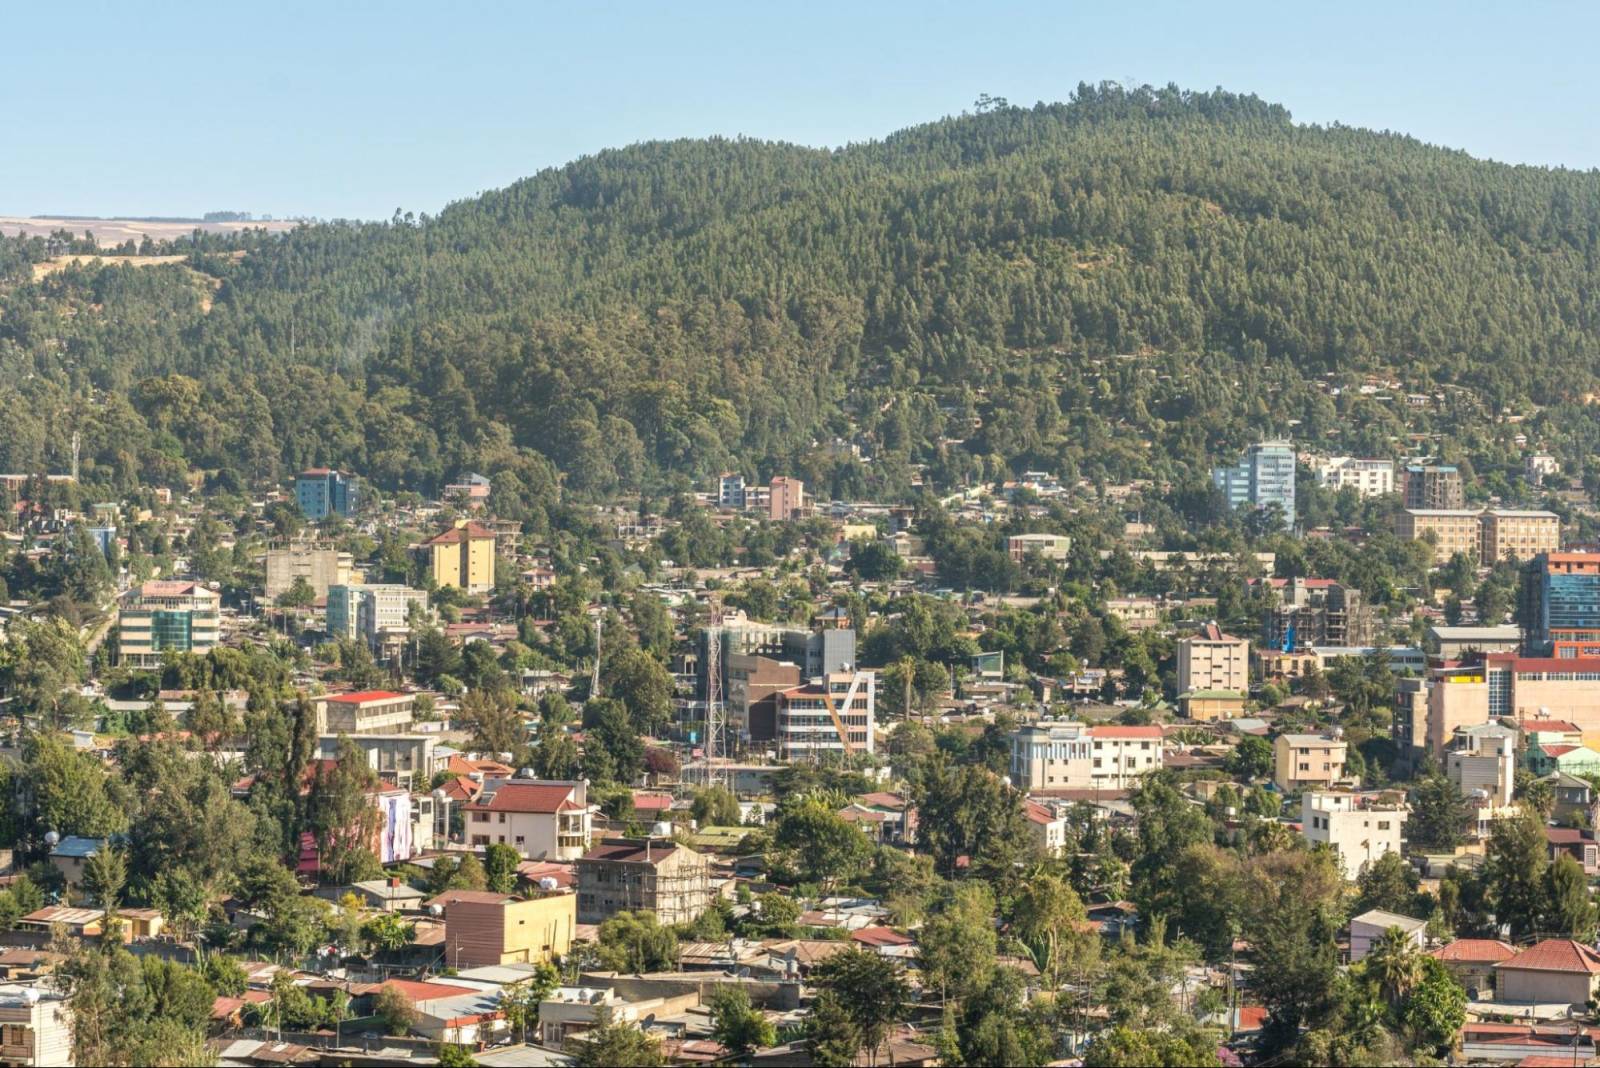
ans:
(1472, 961)
(1578, 844)
(1559, 971)
(541, 819)
(1049, 827)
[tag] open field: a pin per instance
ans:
(109, 233)
(51, 266)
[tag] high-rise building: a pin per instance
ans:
(167, 616)
(1263, 477)
(788, 498)
(322, 491)
(1559, 605)
(462, 556)
(1434, 486)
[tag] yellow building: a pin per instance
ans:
(483, 928)
(1517, 534)
(463, 556)
(1452, 530)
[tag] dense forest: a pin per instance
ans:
(1126, 285)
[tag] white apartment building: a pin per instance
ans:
(1369, 478)
(1076, 756)
(1054, 547)
(1484, 758)
(1212, 660)
(1359, 828)
(372, 611)
(541, 818)
(834, 713)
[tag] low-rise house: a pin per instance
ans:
(1558, 970)
(541, 819)
(1545, 758)
(1578, 844)
(484, 928)
(1574, 798)
(1367, 928)
(1049, 828)
(82, 923)
(1472, 961)
(388, 895)
(71, 854)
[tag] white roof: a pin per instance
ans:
(1386, 920)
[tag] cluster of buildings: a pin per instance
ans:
(782, 498)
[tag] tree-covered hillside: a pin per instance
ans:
(951, 296)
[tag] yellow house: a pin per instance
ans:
(463, 556)
(484, 928)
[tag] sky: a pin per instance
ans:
(352, 109)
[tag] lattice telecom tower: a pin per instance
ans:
(716, 739)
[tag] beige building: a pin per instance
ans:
(1307, 761)
(1451, 530)
(1359, 828)
(1074, 756)
(834, 713)
(1212, 660)
(320, 568)
(1558, 971)
(1511, 534)
(652, 874)
(366, 712)
(1048, 546)
(483, 928)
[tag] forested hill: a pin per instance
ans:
(948, 296)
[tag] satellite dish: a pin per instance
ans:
(548, 882)
(440, 796)
(51, 838)
(436, 910)
(663, 829)
(1005, 780)
(31, 995)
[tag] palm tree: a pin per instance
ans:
(1395, 962)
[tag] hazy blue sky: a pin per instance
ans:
(353, 109)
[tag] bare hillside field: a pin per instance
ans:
(108, 233)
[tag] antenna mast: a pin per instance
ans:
(716, 740)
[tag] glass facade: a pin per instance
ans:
(1263, 477)
(171, 630)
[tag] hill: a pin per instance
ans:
(1120, 286)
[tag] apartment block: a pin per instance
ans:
(168, 616)
(787, 498)
(1433, 487)
(322, 491)
(730, 490)
(1452, 530)
(1484, 758)
(1212, 660)
(377, 614)
(1307, 761)
(462, 556)
(1516, 534)
(1501, 685)
(1075, 756)
(1369, 478)
(1359, 828)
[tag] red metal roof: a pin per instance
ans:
(455, 535)
(526, 797)
(1556, 955)
(1476, 951)
(632, 851)
(364, 696)
(1110, 731)
(419, 991)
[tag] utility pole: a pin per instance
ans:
(594, 679)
